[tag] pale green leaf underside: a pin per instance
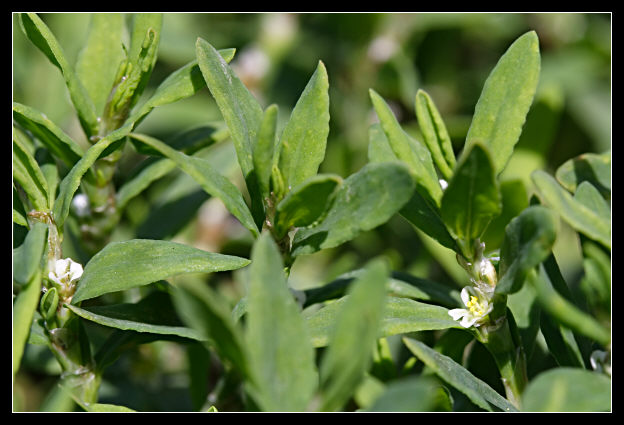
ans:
(124, 265)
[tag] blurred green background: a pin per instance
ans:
(449, 55)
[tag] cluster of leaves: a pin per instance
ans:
(326, 348)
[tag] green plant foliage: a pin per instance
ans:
(284, 212)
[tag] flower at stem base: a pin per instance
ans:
(478, 306)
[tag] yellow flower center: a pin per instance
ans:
(475, 307)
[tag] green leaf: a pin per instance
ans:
(408, 150)
(515, 199)
(153, 314)
(505, 100)
(100, 57)
(144, 41)
(71, 182)
(27, 257)
(206, 311)
(51, 135)
(568, 390)
(434, 133)
(575, 213)
(28, 174)
(104, 407)
(180, 84)
(210, 180)
(305, 203)
(352, 337)
(401, 315)
(305, 135)
(239, 108)
(264, 149)
(472, 198)
(460, 378)
(365, 200)
(418, 211)
(24, 307)
(412, 394)
(41, 36)
(124, 265)
(588, 167)
(589, 196)
(566, 313)
(280, 353)
(529, 239)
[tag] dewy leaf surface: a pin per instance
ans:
(305, 135)
(280, 353)
(459, 377)
(124, 265)
(505, 100)
(365, 200)
(575, 213)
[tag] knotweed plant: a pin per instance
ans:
(326, 348)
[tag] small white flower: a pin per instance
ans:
(478, 307)
(443, 184)
(66, 272)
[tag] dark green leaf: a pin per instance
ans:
(412, 394)
(472, 198)
(529, 239)
(124, 265)
(505, 100)
(28, 174)
(305, 203)
(457, 376)
(27, 258)
(364, 201)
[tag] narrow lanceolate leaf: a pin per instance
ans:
(568, 390)
(207, 312)
(505, 100)
(27, 257)
(124, 265)
(364, 201)
(153, 314)
(472, 198)
(50, 134)
(41, 36)
(239, 108)
(528, 241)
(280, 353)
(209, 179)
(401, 315)
(264, 149)
(352, 337)
(180, 84)
(100, 57)
(418, 211)
(589, 167)
(27, 173)
(460, 378)
(583, 219)
(24, 307)
(434, 133)
(408, 150)
(144, 41)
(305, 135)
(306, 203)
(72, 180)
